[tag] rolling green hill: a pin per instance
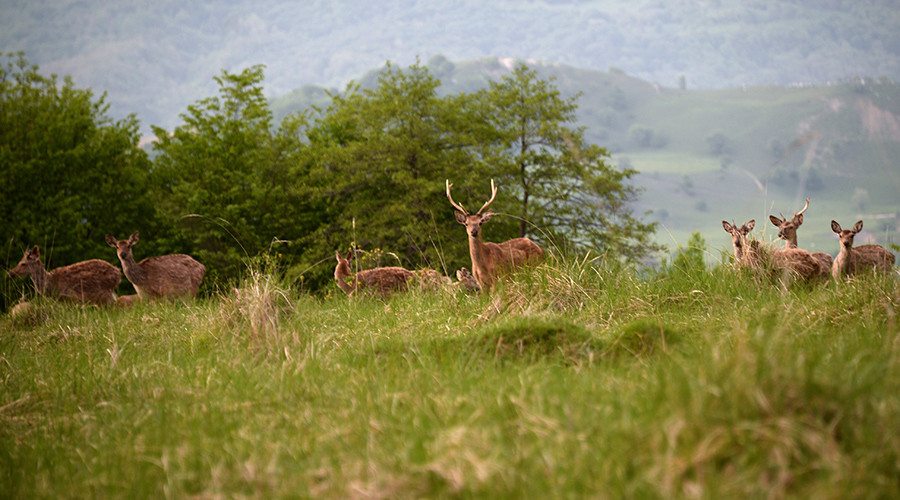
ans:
(745, 153)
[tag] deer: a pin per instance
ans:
(490, 260)
(90, 281)
(854, 260)
(751, 254)
(383, 280)
(466, 281)
(165, 276)
(787, 230)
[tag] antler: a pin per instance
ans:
(461, 208)
(804, 208)
(493, 195)
(455, 204)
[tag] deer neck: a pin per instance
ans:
(479, 254)
(41, 278)
(790, 243)
(133, 271)
(340, 272)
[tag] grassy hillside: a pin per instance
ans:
(579, 380)
(741, 154)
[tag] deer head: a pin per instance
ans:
(846, 235)
(30, 263)
(472, 222)
(739, 236)
(123, 247)
(787, 229)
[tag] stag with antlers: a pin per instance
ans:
(489, 260)
(787, 230)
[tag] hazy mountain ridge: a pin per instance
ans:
(708, 155)
(155, 59)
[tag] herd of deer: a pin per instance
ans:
(179, 275)
(808, 266)
(96, 281)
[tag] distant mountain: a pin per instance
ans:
(709, 155)
(156, 58)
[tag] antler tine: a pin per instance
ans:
(804, 207)
(493, 195)
(455, 204)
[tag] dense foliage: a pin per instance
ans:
(369, 171)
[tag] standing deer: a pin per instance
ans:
(92, 280)
(852, 260)
(164, 276)
(489, 260)
(750, 253)
(384, 280)
(787, 230)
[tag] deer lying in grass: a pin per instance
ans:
(852, 260)
(466, 281)
(165, 276)
(751, 254)
(93, 281)
(489, 260)
(787, 230)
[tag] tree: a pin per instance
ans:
(69, 173)
(228, 181)
(382, 156)
(562, 186)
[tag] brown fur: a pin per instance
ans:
(383, 280)
(854, 260)
(93, 281)
(174, 275)
(429, 279)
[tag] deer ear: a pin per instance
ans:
(337, 255)
(111, 241)
(750, 225)
(34, 252)
(728, 227)
(460, 217)
(486, 216)
(835, 227)
(857, 227)
(775, 220)
(133, 238)
(798, 219)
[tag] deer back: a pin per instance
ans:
(872, 256)
(798, 262)
(92, 281)
(172, 275)
(385, 280)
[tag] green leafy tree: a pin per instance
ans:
(382, 156)
(69, 173)
(556, 183)
(228, 181)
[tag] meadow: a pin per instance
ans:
(581, 378)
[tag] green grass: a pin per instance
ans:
(582, 379)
